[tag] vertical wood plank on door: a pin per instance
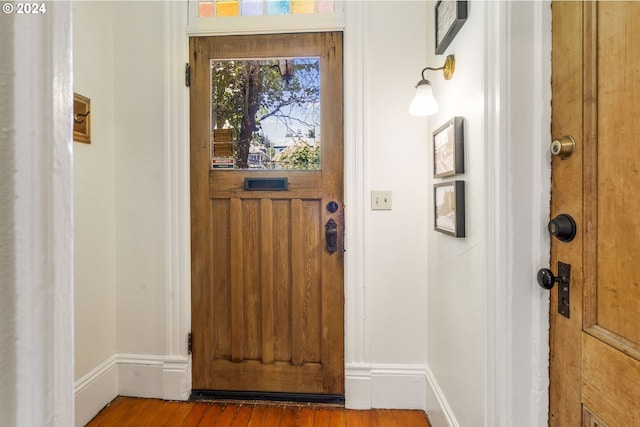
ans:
(312, 250)
(237, 282)
(252, 278)
(266, 275)
(220, 296)
(201, 269)
(298, 280)
(567, 86)
(282, 280)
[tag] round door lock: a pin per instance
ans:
(332, 206)
(563, 227)
(563, 147)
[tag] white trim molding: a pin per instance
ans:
(43, 218)
(517, 207)
(177, 182)
(438, 409)
(95, 390)
(385, 386)
(137, 375)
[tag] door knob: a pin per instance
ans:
(546, 279)
(563, 227)
(563, 147)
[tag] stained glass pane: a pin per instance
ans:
(228, 8)
(278, 7)
(303, 6)
(252, 7)
(205, 9)
(325, 6)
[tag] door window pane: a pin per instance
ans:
(265, 114)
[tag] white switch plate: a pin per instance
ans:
(380, 200)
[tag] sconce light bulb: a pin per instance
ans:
(423, 104)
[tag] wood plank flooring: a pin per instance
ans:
(136, 412)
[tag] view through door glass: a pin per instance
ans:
(265, 114)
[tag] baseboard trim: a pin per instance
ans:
(161, 377)
(385, 386)
(95, 390)
(137, 375)
(438, 409)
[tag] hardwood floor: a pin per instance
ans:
(136, 412)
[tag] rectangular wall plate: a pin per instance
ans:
(380, 200)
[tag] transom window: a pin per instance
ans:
(225, 8)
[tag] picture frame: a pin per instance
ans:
(450, 16)
(449, 209)
(81, 119)
(448, 149)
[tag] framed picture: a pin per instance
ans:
(81, 119)
(450, 16)
(448, 148)
(448, 202)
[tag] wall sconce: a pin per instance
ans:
(424, 104)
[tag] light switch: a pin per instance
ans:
(380, 200)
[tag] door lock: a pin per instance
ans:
(563, 227)
(563, 147)
(546, 280)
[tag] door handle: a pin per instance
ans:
(331, 236)
(546, 280)
(563, 147)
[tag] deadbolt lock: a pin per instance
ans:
(563, 227)
(563, 147)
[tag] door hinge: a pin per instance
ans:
(190, 342)
(187, 75)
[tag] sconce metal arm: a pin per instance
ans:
(447, 69)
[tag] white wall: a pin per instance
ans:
(94, 213)
(456, 266)
(487, 328)
(94, 189)
(139, 177)
(396, 159)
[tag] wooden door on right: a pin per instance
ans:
(595, 353)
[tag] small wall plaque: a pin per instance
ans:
(81, 119)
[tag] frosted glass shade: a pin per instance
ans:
(423, 104)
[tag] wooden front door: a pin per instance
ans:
(267, 252)
(595, 353)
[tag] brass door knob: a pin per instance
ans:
(563, 147)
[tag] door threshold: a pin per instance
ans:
(333, 399)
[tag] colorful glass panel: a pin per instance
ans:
(325, 6)
(205, 9)
(303, 6)
(252, 7)
(278, 7)
(227, 8)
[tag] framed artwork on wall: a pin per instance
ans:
(450, 16)
(449, 212)
(448, 148)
